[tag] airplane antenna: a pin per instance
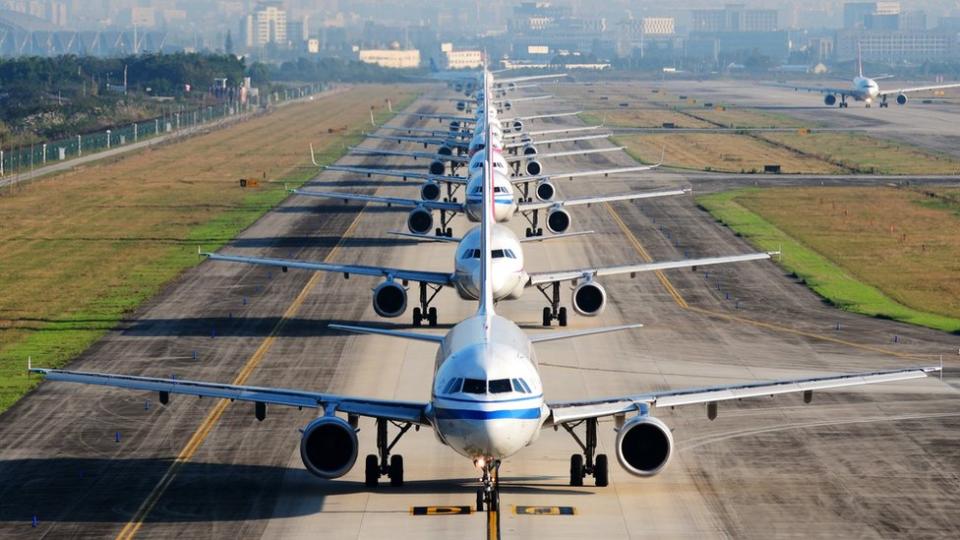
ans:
(487, 218)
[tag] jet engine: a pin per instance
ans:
(445, 150)
(534, 168)
(458, 87)
(461, 106)
(511, 86)
(420, 220)
(329, 447)
(644, 445)
(438, 167)
(529, 150)
(506, 105)
(902, 99)
(546, 191)
(518, 125)
(830, 99)
(589, 298)
(389, 299)
(430, 192)
(558, 220)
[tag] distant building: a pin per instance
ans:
(466, 59)
(897, 46)
(872, 16)
(913, 21)
(267, 24)
(657, 26)
(733, 18)
(391, 58)
(855, 14)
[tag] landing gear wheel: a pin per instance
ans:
(432, 316)
(576, 470)
(547, 316)
(371, 472)
(396, 470)
(540, 231)
(562, 316)
(449, 232)
(479, 499)
(439, 231)
(601, 471)
(529, 232)
(417, 316)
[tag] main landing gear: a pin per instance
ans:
(553, 312)
(843, 102)
(589, 462)
(488, 494)
(444, 228)
(385, 464)
(426, 313)
(533, 218)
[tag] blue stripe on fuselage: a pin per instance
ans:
(499, 414)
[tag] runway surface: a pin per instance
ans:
(871, 462)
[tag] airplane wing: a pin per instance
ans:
(560, 140)
(409, 153)
(400, 411)
(455, 239)
(819, 89)
(530, 206)
(524, 98)
(578, 152)
(389, 201)
(919, 89)
(435, 278)
(419, 140)
(538, 116)
(539, 278)
(509, 80)
(572, 175)
(550, 131)
(562, 412)
(400, 174)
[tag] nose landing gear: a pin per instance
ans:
(488, 494)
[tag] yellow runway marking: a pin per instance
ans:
(493, 525)
(134, 525)
(678, 298)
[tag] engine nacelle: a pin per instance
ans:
(461, 106)
(546, 191)
(512, 86)
(389, 299)
(534, 168)
(458, 87)
(529, 150)
(589, 299)
(518, 125)
(506, 105)
(454, 125)
(644, 445)
(830, 99)
(329, 446)
(438, 167)
(430, 191)
(420, 221)
(445, 150)
(902, 99)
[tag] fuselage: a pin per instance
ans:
(865, 89)
(504, 203)
(509, 277)
(487, 398)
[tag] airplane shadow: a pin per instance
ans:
(103, 490)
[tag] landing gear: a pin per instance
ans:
(843, 102)
(385, 465)
(488, 494)
(426, 313)
(448, 232)
(444, 228)
(883, 102)
(533, 217)
(534, 232)
(553, 312)
(588, 463)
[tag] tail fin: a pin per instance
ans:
(487, 219)
(859, 60)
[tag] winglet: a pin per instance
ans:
(313, 156)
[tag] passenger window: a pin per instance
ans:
(499, 386)
(474, 386)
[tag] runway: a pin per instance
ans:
(871, 462)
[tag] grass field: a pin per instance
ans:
(79, 250)
(881, 252)
(725, 152)
(868, 154)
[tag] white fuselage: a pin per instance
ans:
(509, 277)
(865, 89)
(487, 398)
(504, 203)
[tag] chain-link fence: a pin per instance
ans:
(18, 160)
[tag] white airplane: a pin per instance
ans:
(510, 278)
(486, 401)
(867, 90)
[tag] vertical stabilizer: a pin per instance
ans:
(859, 60)
(487, 219)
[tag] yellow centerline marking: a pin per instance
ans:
(134, 525)
(493, 526)
(678, 298)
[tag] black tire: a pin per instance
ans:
(396, 470)
(576, 470)
(479, 499)
(371, 471)
(547, 316)
(439, 231)
(562, 316)
(449, 232)
(417, 316)
(540, 231)
(601, 471)
(529, 232)
(432, 316)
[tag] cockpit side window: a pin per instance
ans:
(517, 387)
(499, 386)
(453, 386)
(474, 386)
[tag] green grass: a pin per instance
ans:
(827, 279)
(54, 342)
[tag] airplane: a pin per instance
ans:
(588, 297)
(867, 90)
(487, 399)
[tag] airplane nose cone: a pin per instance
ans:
(499, 280)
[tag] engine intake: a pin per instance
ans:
(830, 99)
(430, 192)
(328, 447)
(901, 99)
(558, 220)
(546, 191)
(445, 150)
(529, 150)
(461, 106)
(420, 221)
(389, 299)
(589, 299)
(644, 446)
(534, 168)
(438, 167)
(518, 125)
(507, 105)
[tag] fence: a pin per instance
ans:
(14, 161)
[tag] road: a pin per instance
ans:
(872, 462)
